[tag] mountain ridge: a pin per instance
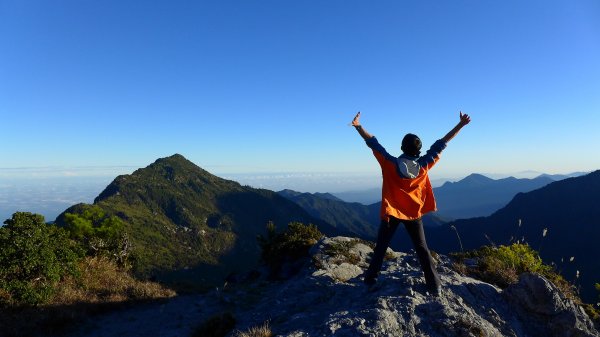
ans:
(477, 195)
(186, 223)
(356, 218)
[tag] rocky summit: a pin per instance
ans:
(328, 298)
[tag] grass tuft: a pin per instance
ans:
(341, 250)
(263, 330)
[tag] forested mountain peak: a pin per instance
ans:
(170, 175)
(181, 217)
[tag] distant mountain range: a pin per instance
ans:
(475, 195)
(365, 197)
(478, 195)
(187, 224)
(372, 195)
(568, 211)
(501, 187)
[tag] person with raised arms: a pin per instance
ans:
(407, 195)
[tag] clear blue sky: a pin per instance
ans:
(270, 86)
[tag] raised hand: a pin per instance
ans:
(464, 118)
(355, 121)
(361, 131)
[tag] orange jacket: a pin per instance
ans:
(406, 192)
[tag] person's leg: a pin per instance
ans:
(417, 235)
(384, 236)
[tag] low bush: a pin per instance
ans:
(34, 257)
(502, 265)
(341, 250)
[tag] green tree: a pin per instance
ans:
(34, 256)
(99, 233)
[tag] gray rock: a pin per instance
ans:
(548, 313)
(336, 303)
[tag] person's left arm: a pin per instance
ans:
(361, 131)
(379, 151)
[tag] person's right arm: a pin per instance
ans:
(379, 151)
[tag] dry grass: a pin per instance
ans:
(263, 330)
(102, 281)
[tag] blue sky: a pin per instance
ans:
(253, 87)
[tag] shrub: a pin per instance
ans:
(290, 245)
(99, 233)
(34, 256)
(502, 265)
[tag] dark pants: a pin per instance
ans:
(417, 235)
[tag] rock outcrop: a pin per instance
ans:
(328, 298)
(547, 313)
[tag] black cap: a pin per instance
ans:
(411, 145)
